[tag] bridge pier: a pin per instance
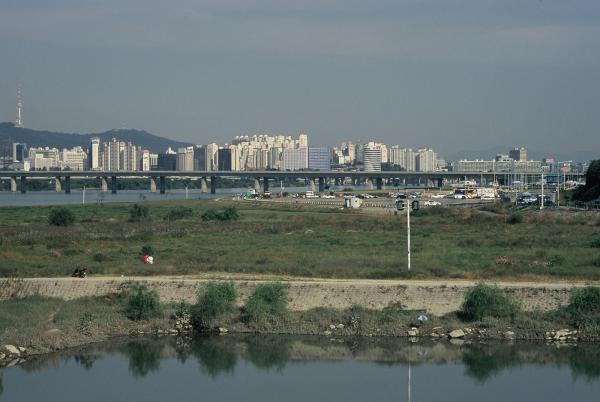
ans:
(153, 184)
(162, 181)
(379, 182)
(257, 185)
(312, 184)
(440, 182)
(337, 181)
(369, 183)
(321, 184)
(213, 184)
(13, 184)
(23, 184)
(67, 184)
(265, 184)
(203, 185)
(103, 184)
(57, 184)
(113, 184)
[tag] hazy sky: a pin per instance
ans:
(452, 74)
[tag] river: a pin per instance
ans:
(32, 198)
(280, 368)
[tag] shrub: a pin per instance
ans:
(585, 300)
(147, 249)
(597, 261)
(595, 241)
(61, 217)
(514, 218)
(266, 301)
(216, 300)
(485, 301)
(99, 257)
(138, 213)
(142, 303)
(229, 214)
(179, 213)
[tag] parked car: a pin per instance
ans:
(438, 195)
(328, 196)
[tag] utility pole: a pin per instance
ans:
(542, 204)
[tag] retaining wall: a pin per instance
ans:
(435, 297)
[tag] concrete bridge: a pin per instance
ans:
(317, 180)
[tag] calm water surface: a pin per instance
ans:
(251, 368)
(32, 198)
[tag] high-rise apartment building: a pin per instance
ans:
(426, 160)
(403, 157)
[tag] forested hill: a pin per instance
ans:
(36, 138)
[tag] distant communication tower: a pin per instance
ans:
(18, 120)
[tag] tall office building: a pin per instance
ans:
(185, 159)
(200, 159)
(224, 159)
(94, 154)
(518, 154)
(19, 152)
(371, 157)
(319, 158)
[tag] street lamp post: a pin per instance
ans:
(408, 231)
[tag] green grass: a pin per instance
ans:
(298, 241)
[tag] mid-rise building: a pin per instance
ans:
(319, 158)
(295, 158)
(73, 159)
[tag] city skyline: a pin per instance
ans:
(468, 75)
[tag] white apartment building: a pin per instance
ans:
(426, 160)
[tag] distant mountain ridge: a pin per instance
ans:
(37, 138)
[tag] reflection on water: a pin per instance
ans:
(363, 367)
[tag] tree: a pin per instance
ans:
(591, 190)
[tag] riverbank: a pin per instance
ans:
(41, 325)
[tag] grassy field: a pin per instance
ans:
(298, 241)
